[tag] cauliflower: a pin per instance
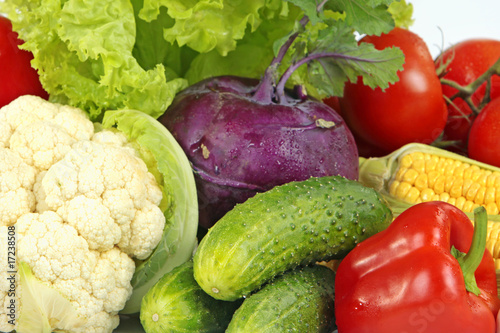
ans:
(84, 207)
(96, 283)
(108, 195)
(16, 187)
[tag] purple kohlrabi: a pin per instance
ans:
(240, 143)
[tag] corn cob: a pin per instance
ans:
(420, 173)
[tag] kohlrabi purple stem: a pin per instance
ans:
(265, 91)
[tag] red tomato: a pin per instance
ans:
(469, 59)
(411, 110)
(17, 77)
(365, 149)
(333, 102)
(484, 135)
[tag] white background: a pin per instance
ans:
(442, 23)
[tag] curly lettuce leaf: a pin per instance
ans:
(402, 13)
(134, 54)
(168, 162)
(83, 52)
(207, 25)
(254, 52)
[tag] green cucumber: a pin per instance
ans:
(176, 303)
(294, 224)
(300, 300)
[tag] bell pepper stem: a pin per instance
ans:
(470, 261)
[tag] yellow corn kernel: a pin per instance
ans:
(406, 161)
(435, 197)
(409, 176)
(400, 173)
(475, 175)
(440, 165)
(417, 155)
(439, 184)
(483, 178)
(492, 208)
(493, 241)
(460, 202)
(402, 190)
(427, 194)
(489, 195)
(492, 179)
(456, 189)
(393, 186)
(479, 198)
(413, 195)
(419, 165)
(459, 170)
(468, 206)
(431, 163)
(466, 185)
(473, 189)
(444, 197)
(448, 182)
(431, 178)
(421, 182)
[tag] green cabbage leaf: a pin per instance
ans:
(168, 162)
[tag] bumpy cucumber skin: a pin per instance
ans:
(300, 300)
(182, 306)
(291, 225)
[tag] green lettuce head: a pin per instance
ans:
(137, 54)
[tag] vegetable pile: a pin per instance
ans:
(272, 165)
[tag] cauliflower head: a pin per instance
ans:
(108, 195)
(83, 206)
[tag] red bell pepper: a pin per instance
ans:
(407, 278)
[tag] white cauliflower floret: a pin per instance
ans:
(34, 134)
(16, 185)
(52, 248)
(110, 137)
(41, 143)
(32, 109)
(108, 195)
(93, 221)
(96, 283)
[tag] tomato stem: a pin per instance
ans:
(466, 92)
